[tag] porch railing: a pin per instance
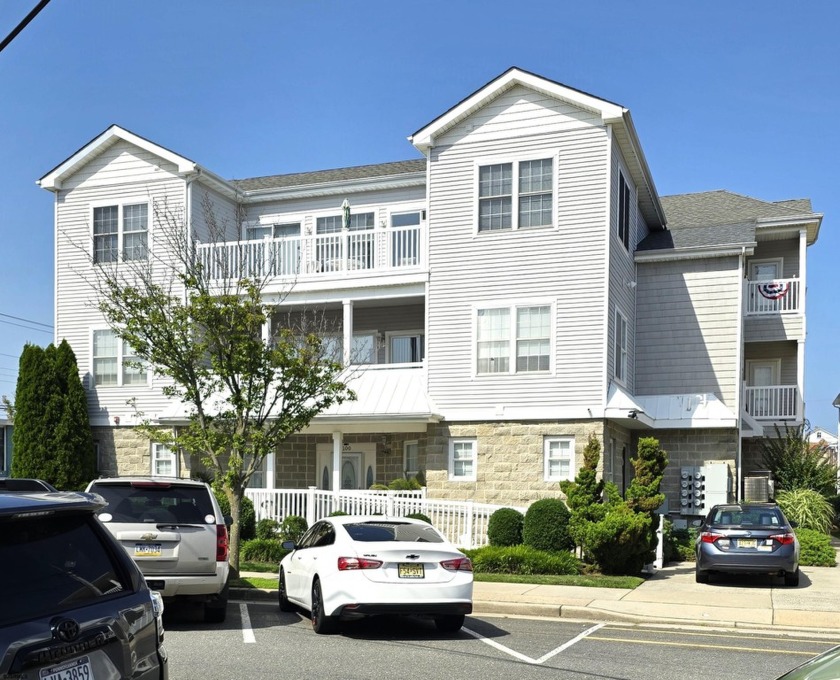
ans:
(776, 402)
(462, 522)
(317, 255)
(778, 296)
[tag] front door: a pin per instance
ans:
(351, 464)
(765, 270)
(762, 374)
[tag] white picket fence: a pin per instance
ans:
(462, 522)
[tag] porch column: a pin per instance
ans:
(803, 279)
(338, 445)
(270, 480)
(347, 328)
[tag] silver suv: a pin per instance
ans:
(73, 604)
(175, 532)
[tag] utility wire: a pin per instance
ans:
(29, 328)
(17, 29)
(17, 318)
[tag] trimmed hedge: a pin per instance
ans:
(262, 550)
(815, 549)
(505, 527)
(268, 528)
(546, 526)
(292, 528)
(247, 519)
(522, 559)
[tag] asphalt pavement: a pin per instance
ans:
(669, 596)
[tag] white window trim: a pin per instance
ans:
(120, 384)
(402, 334)
(405, 210)
(406, 444)
(554, 156)
(463, 440)
(512, 306)
(774, 364)
(120, 243)
(631, 213)
(273, 221)
(619, 316)
(780, 261)
(547, 476)
(160, 452)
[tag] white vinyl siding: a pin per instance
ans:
(521, 346)
(531, 203)
(559, 458)
(462, 460)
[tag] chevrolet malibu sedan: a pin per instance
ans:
(751, 538)
(349, 567)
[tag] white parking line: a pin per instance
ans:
(247, 631)
(528, 659)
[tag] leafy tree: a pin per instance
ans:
(52, 438)
(243, 395)
(797, 464)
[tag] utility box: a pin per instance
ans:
(718, 484)
(703, 486)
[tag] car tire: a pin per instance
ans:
(792, 580)
(321, 623)
(701, 576)
(282, 597)
(450, 623)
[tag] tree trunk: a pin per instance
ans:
(234, 497)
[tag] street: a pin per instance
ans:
(258, 641)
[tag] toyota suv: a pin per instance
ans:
(175, 532)
(73, 604)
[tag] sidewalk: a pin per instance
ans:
(670, 596)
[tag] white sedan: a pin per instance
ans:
(347, 567)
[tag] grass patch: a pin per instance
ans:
(585, 580)
(266, 583)
(262, 567)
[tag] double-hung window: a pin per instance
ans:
(559, 457)
(620, 348)
(411, 462)
(120, 232)
(462, 460)
(516, 195)
(513, 339)
(114, 362)
(623, 211)
(164, 461)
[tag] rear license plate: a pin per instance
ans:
(746, 543)
(410, 571)
(78, 669)
(147, 549)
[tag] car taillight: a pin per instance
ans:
(784, 539)
(349, 563)
(708, 537)
(458, 564)
(222, 546)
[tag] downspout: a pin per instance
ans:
(739, 378)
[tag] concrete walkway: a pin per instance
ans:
(670, 596)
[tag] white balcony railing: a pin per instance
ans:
(318, 255)
(775, 402)
(778, 296)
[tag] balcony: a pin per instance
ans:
(334, 255)
(773, 402)
(778, 296)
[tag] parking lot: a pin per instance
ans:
(258, 641)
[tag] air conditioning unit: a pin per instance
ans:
(757, 489)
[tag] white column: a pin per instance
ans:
(800, 380)
(347, 327)
(338, 445)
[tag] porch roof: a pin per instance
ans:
(688, 411)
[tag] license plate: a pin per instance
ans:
(147, 549)
(746, 543)
(78, 669)
(410, 571)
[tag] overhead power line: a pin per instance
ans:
(29, 328)
(23, 24)
(36, 323)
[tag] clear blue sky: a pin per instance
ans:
(725, 95)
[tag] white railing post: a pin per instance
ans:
(470, 509)
(310, 506)
(389, 505)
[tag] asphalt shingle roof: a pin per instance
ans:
(299, 179)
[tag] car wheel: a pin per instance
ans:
(321, 623)
(285, 605)
(701, 576)
(216, 610)
(792, 579)
(451, 623)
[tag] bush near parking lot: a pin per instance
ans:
(678, 544)
(263, 550)
(546, 525)
(522, 559)
(292, 528)
(504, 527)
(808, 508)
(420, 516)
(247, 518)
(268, 528)
(815, 549)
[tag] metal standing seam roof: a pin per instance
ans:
(386, 392)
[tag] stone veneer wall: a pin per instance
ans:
(123, 452)
(510, 465)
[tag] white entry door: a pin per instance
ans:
(762, 376)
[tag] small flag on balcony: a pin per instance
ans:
(774, 290)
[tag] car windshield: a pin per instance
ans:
(54, 564)
(747, 515)
(392, 531)
(156, 503)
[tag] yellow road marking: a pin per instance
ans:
(696, 646)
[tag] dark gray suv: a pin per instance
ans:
(74, 605)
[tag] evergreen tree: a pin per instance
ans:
(643, 495)
(584, 495)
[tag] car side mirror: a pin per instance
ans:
(228, 520)
(289, 545)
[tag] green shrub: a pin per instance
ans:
(815, 549)
(619, 542)
(419, 515)
(262, 550)
(797, 463)
(378, 487)
(522, 559)
(292, 528)
(337, 513)
(678, 544)
(267, 528)
(248, 517)
(403, 484)
(546, 525)
(808, 508)
(505, 527)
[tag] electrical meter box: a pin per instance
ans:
(704, 486)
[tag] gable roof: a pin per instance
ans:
(53, 179)
(624, 132)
